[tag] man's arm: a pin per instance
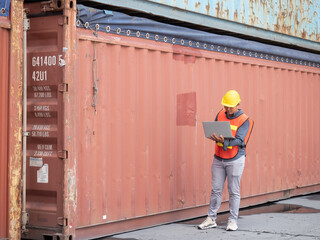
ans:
(240, 136)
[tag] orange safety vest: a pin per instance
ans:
(232, 151)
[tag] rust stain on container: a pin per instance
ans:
(235, 16)
(208, 8)
(197, 4)
(69, 120)
(218, 12)
(4, 101)
(15, 122)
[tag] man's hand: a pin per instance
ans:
(214, 137)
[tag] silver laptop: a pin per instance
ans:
(218, 127)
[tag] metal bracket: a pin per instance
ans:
(63, 87)
(25, 134)
(62, 62)
(25, 221)
(63, 154)
(52, 5)
(26, 24)
(63, 20)
(62, 221)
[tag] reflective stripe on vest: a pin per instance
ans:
(221, 145)
(235, 124)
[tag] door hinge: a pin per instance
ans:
(26, 24)
(63, 20)
(63, 87)
(62, 221)
(26, 134)
(25, 221)
(63, 154)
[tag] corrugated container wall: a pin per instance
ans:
(119, 145)
(4, 90)
(142, 150)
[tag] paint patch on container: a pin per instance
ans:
(186, 109)
(43, 174)
(180, 56)
(36, 162)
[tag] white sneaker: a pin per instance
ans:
(232, 226)
(208, 223)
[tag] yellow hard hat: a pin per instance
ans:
(231, 99)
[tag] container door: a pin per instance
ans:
(45, 152)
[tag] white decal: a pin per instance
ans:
(41, 108)
(36, 162)
(43, 174)
(41, 127)
(42, 114)
(39, 76)
(41, 88)
(43, 153)
(40, 134)
(42, 94)
(46, 61)
(44, 147)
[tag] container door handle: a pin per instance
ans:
(63, 154)
(63, 222)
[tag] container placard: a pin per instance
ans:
(43, 174)
(36, 162)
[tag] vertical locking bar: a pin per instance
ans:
(25, 216)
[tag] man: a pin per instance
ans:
(229, 160)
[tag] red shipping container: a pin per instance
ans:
(116, 136)
(143, 151)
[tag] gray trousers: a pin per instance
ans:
(222, 170)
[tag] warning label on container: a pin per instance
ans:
(36, 162)
(43, 174)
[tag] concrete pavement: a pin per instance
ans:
(296, 218)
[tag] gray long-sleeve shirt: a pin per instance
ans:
(239, 138)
